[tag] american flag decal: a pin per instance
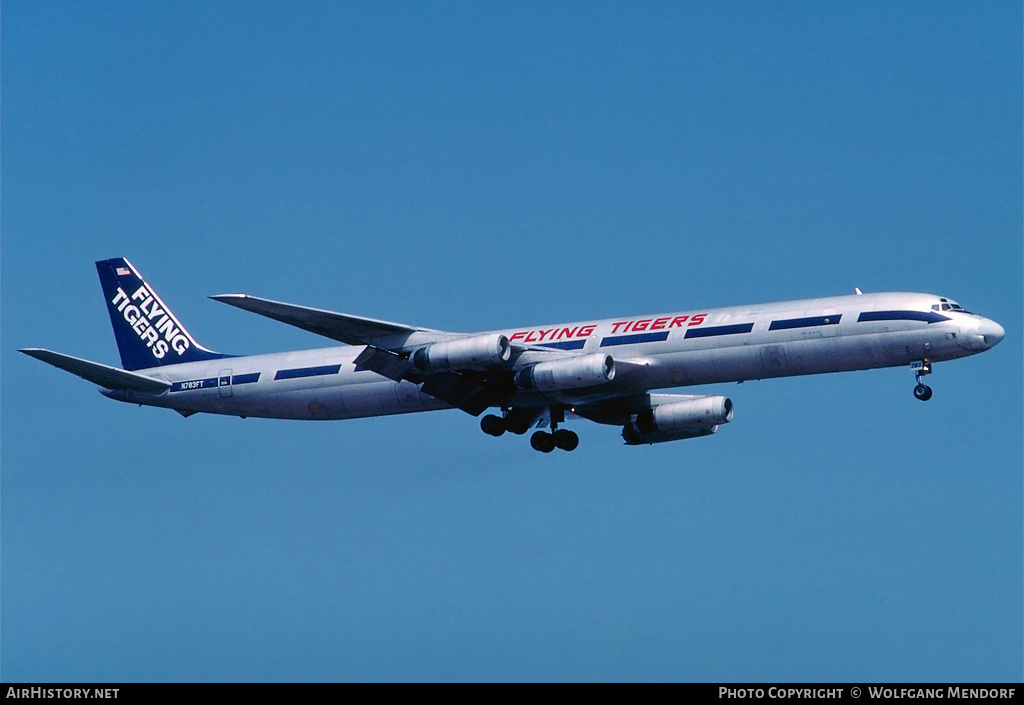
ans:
(122, 271)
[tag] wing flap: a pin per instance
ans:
(343, 327)
(385, 363)
(461, 392)
(104, 375)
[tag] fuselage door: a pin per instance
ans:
(830, 328)
(224, 383)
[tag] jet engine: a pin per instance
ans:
(567, 373)
(699, 416)
(478, 352)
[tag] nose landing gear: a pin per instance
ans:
(922, 391)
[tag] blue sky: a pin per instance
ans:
(469, 166)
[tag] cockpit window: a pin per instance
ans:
(948, 305)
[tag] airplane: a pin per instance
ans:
(536, 376)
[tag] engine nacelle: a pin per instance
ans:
(567, 373)
(691, 418)
(478, 352)
(632, 437)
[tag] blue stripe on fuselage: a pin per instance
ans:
(810, 322)
(189, 385)
(635, 338)
(566, 345)
(211, 382)
(307, 372)
(720, 330)
(926, 316)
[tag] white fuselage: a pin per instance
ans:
(688, 348)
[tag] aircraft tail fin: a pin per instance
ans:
(147, 333)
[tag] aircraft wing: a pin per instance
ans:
(344, 327)
(104, 375)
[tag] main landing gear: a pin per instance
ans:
(922, 391)
(541, 440)
(493, 425)
(559, 438)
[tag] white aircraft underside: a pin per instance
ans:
(602, 370)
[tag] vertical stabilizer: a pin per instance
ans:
(147, 333)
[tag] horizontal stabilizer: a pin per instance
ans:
(103, 375)
(354, 330)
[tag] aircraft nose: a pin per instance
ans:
(991, 332)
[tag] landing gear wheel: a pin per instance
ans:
(566, 440)
(922, 391)
(542, 441)
(492, 425)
